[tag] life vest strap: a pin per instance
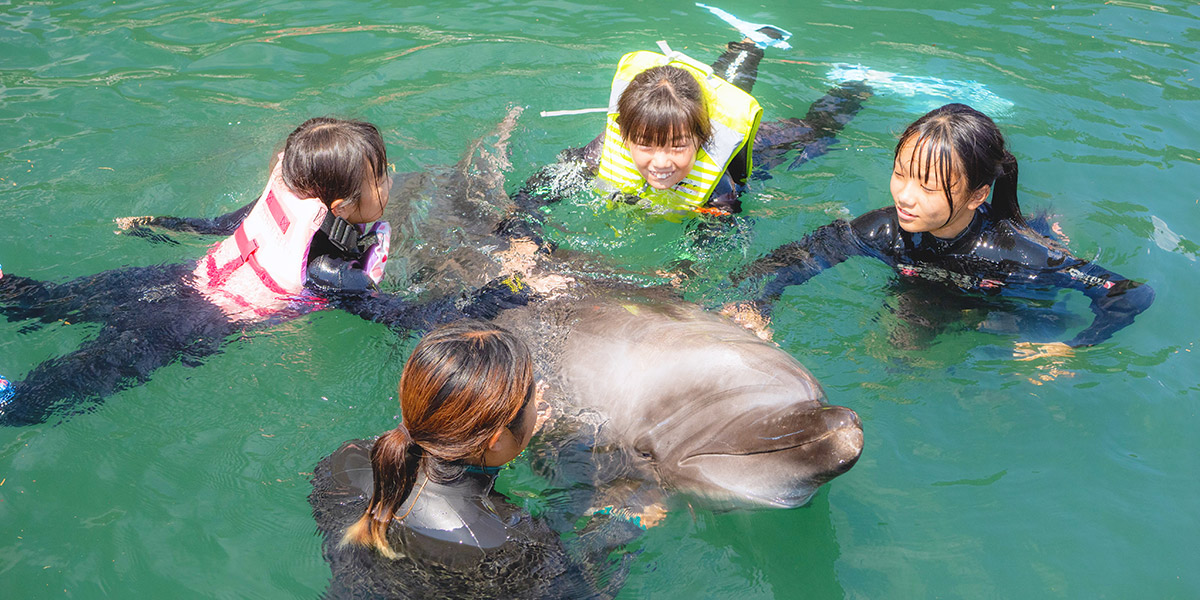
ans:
(247, 248)
(277, 212)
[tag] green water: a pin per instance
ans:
(982, 477)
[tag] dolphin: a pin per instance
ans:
(700, 404)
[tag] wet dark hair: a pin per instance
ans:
(957, 136)
(329, 158)
(464, 382)
(662, 104)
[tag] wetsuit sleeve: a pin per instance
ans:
(225, 224)
(1115, 300)
(400, 314)
(797, 262)
(815, 133)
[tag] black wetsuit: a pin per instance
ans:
(459, 539)
(990, 258)
(153, 316)
(813, 135)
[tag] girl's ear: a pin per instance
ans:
(494, 441)
(978, 197)
(338, 208)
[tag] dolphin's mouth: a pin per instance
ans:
(779, 432)
(783, 463)
(774, 450)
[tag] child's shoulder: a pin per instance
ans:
(1034, 243)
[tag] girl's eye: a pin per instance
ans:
(680, 148)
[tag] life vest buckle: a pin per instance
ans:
(343, 234)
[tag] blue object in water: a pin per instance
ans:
(6, 391)
(930, 91)
(759, 33)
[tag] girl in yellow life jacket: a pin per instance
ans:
(678, 133)
(677, 146)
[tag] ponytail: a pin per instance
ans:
(395, 461)
(1004, 190)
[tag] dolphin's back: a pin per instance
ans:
(637, 358)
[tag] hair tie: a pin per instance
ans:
(408, 436)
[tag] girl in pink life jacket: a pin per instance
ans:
(330, 179)
(297, 248)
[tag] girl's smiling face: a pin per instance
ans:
(919, 185)
(664, 166)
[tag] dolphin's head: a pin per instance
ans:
(716, 412)
(755, 447)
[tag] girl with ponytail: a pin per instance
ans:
(414, 513)
(942, 229)
(464, 397)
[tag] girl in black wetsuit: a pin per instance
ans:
(413, 513)
(941, 230)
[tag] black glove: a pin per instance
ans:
(495, 296)
(334, 273)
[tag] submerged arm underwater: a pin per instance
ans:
(144, 227)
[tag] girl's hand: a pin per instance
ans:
(744, 314)
(544, 409)
(644, 517)
(127, 223)
(522, 256)
(1033, 350)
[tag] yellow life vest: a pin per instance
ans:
(734, 117)
(261, 268)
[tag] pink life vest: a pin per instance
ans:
(261, 268)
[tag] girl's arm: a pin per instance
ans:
(225, 224)
(1115, 300)
(400, 314)
(797, 262)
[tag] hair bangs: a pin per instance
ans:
(931, 157)
(660, 124)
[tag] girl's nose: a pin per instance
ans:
(904, 195)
